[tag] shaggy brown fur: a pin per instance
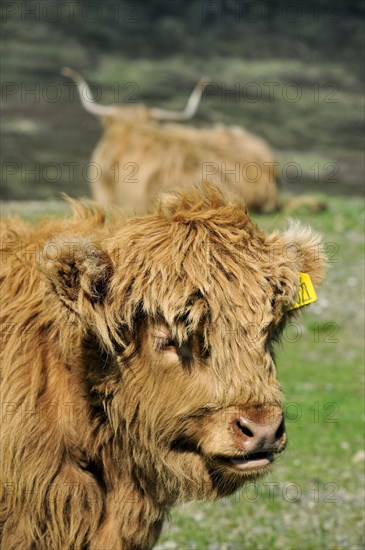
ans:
(130, 348)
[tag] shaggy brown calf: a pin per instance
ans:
(137, 366)
(138, 155)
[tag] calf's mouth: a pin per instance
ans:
(245, 463)
(248, 462)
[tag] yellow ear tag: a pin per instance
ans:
(306, 292)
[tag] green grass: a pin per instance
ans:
(313, 499)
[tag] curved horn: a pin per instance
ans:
(191, 106)
(86, 96)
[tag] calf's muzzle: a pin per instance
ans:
(260, 429)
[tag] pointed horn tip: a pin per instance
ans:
(70, 73)
(204, 81)
(65, 71)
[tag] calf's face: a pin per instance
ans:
(188, 304)
(202, 413)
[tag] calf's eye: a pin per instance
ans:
(166, 344)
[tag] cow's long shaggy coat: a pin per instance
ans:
(128, 348)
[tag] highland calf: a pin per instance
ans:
(138, 155)
(137, 365)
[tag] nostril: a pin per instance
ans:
(244, 429)
(280, 431)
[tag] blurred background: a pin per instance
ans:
(290, 72)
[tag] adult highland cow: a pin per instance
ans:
(137, 366)
(140, 154)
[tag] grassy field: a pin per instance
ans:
(313, 499)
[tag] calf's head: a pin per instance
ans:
(176, 314)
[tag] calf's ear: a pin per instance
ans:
(303, 249)
(295, 255)
(76, 270)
